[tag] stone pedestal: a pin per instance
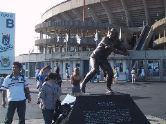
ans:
(106, 109)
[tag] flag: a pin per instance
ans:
(66, 38)
(78, 39)
(120, 34)
(96, 36)
(108, 33)
(143, 23)
(31, 51)
(58, 38)
(164, 33)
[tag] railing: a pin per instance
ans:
(72, 41)
(68, 55)
(73, 24)
(142, 38)
(159, 41)
(159, 23)
(84, 55)
(156, 25)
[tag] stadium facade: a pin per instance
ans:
(70, 31)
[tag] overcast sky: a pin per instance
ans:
(28, 14)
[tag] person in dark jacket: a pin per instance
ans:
(59, 79)
(99, 56)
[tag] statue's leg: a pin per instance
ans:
(105, 66)
(94, 67)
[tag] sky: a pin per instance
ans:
(28, 14)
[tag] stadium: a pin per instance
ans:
(70, 31)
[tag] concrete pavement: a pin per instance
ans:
(31, 121)
(153, 120)
(149, 96)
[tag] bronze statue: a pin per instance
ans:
(99, 56)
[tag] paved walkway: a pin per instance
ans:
(149, 96)
(153, 120)
(32, 121)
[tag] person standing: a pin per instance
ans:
(15, 86)
(44, 72)
(48, 96)
(127, 74)
(37, 73)
(142, 73)
(99, 56)
(133, 75)
(67, 73)
(75, 81)
(59, 79)
(2, 79)
(116, 75)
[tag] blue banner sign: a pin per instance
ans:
(7, 37)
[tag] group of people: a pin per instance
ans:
(74, 78)
(131, 75)
(16, 89)
(49, 86)
(42, 74)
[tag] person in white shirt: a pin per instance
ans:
(133, 75)
(16, 89)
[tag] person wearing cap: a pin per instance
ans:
(99, 56)
(15, 87)
(43, 75)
